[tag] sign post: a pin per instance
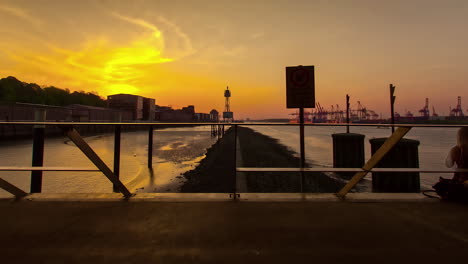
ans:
(300, 93)
(347, 113)
(392, 103)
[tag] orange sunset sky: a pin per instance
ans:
(187, 52)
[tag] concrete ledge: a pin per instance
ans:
(233, 232)
(114, 197)
(226, 197)
(289, 197)
(181, 197)
(331, 197)
(74, 197)
(388, 197)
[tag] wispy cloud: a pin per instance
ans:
(139, 22)
(21, 14)
(257, 35)
(101, 63)
(188, 47)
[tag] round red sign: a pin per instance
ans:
(300, 77)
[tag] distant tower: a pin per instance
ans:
(228, 116)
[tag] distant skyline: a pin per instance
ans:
(187, 52)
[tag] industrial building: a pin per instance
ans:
(167, 114)
(142, 108)
(186, 114)
(202, 117)
(70, 113)
(149, 108)
(121, 107)
(10, 111)
(214, 115)
(86, 113)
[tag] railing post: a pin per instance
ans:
(301, 136)
(150, 147)
(235, 161)
(117, 133)
(38, 150)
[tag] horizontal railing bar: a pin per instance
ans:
(9, 168)
(230, 124)
(245, 169)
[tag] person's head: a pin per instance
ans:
(462, 137)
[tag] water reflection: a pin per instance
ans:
(175, 150)
(434, 144)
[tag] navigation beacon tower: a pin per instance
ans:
(228, 116)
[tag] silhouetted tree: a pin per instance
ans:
(13, 90)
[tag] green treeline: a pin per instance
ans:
(13, 90)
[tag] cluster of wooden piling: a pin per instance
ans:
(348, 152)
(217, 130)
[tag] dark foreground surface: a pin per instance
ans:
(232, 232)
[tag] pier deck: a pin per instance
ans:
(100, 228)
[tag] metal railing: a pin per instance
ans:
(118, 186)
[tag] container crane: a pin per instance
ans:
(296, 117)
(424, 112)
(458, 111)
(362, 112)
(373, 115)
(434, 112)
(339, 114)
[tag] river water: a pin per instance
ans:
(434, 145)
(177, 150)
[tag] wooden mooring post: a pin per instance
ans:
(374, 160)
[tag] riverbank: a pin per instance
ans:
(20, 132)
(216, 173)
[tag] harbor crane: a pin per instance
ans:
(434, 112)
(337, 115)
(409, 114)
(458, 111)
(307, 116)
(424, 112)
